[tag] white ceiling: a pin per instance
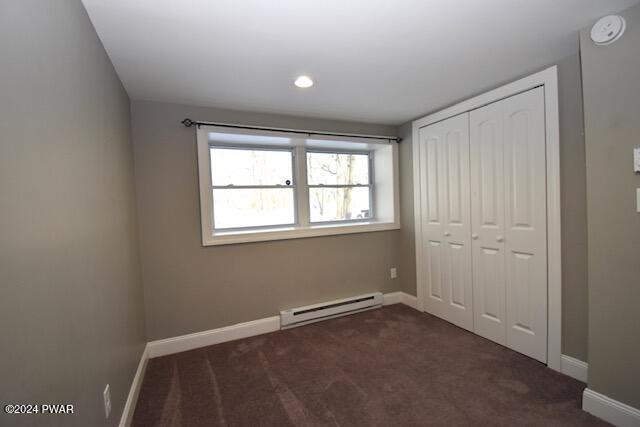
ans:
(383, 61)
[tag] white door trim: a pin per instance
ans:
(548, 79)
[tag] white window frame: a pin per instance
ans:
(387, 183)
(293, 186)
(371, 184)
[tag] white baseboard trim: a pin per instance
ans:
(610, 410)
(410, 300)
(575, 368)
(401, 298)
(392, 298)
(214, 336)
(241, 330)
(187, 342)
(134, 391)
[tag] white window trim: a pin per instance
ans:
(370, 185)
(303, 228)
(293, 187)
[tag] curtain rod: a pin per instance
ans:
(188, 123)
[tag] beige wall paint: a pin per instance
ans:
(574, 304)
(190, 288)
(71, 316)
(574, 210)
(407, 231)
(612, 124)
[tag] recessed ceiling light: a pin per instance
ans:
(304, 82)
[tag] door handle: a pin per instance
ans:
(499, 239)
(447, 233)
(474, 236)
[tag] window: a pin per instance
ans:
(251, 187)
(257, 186)
(339, 186)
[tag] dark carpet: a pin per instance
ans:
(388, 367)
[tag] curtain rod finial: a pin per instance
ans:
(188, 122)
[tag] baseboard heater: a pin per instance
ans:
(328, 310)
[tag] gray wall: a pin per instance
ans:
(574, 210)
(71, 316)
(191, 288)
(574, 271)
(612, 123)
(407, 232)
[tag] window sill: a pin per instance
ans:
(229, 238)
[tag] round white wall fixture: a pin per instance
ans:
(608, 29)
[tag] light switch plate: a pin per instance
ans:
(636, 160)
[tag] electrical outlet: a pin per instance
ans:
(393, 273)
(106, 394)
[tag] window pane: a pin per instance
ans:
(339, 204)
(250, 167)
(252, 207)
(337, 169)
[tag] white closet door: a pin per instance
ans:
(487, 213)
(526, 223)
(445, 199)
(508, 205)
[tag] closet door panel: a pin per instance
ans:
(434, 273)
(456, 162)
(484, 223)
(487, 221)
(457, 215)
(458, 266)
(430, 147)
(489, 292)
(444, 161)
(525, 219)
